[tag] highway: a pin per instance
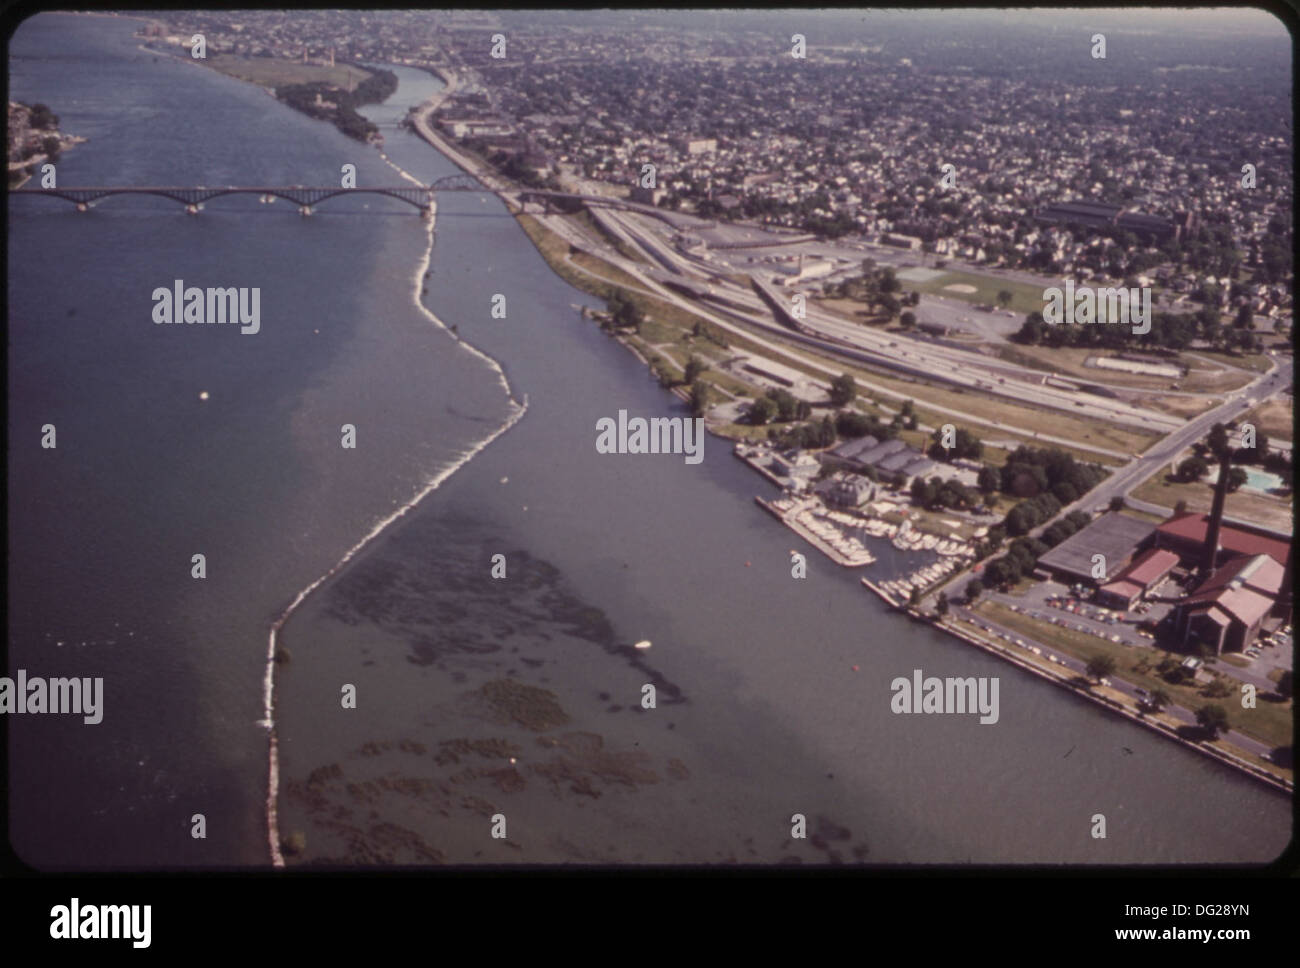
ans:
(900, 352)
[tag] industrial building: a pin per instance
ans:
(890, 459)
(1147, 571)
(1116, 537)
(1243, 576)
(1228, 609)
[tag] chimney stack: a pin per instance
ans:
(1216, 516)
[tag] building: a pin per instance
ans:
(698, 146)
(1115, 537)
(800, 467)
(1148, 570)
(804, 269)
(647, 196)
(890, 459)
(846, 490)
(1227, 610)
(1244, 575)
(901, 241)
(1185, 535)
(1111, 218)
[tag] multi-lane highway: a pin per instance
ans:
(912, 355)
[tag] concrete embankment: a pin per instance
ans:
(1066, 681)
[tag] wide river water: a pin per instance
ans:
(480, 702)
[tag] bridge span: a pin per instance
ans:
(307, 197)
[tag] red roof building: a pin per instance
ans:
(1148, 570)
(1226, 611)
(1185, 536)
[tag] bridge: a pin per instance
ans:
(306, 198)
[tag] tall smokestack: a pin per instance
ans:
(1216, 516)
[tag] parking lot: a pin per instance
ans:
(1058, 605)
(1055, 603)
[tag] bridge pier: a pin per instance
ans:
(304, 210)
(426, 212)
(192, 209)
(82, 207)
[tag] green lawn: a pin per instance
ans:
(1264, 509)
(1025, 298)
(275, 71)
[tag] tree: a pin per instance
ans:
(694, 367)
(762, 410)
(988, 480)
(1213, 718)
(941, 606)
(622, 310)
(1217, 689)
(1192, 469)
(1236, 478)
(914, 597)
(974, 589)
(1217, 441)
(1180, 507)
(1004, 298)
(1117, 503)
(42, 118)
(1158, 699)
(1285, 685)
(907, 320)
(787, 405)
(843, 390)
(1100, 666)
(699, 398)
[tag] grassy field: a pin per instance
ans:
(1258, 362)
(670, 323)
(1272, 512)
(1082, 429)
(1071, 361)
(1186, 407)
(853, 310)
(742, 431)
(602, 268)
(594, 228)
(1270, 722)
(1274, 417)
(274, 71)
(1025, 298)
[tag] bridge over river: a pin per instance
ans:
(307, 198)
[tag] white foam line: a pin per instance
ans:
(268, 682)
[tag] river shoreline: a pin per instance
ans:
(1228, 759)
(1164, 729)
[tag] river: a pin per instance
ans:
(479, 701)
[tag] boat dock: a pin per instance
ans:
(799, 517)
